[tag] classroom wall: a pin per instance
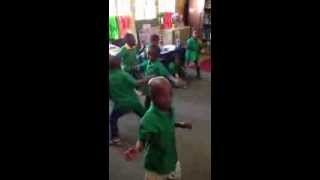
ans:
(180, 8)
(153, 22)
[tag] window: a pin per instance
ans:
(112, 8)
(119, 7)
(145, 9)
(167, 6)
(123, 7)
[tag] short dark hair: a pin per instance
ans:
(127, 36)
(154, 37)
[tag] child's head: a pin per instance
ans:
(153, 53)
(161, 93)
(154, 39)
(194, 33)
(130, 40)
(114, 62)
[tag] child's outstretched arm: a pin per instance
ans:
(184, 125)
(176, 75)
(141, 82)
(146, 131)
(139, 146)
(133, 82)
(173, 79)
(164, 72)
(144, 81)
(177, 81)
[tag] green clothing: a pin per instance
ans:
(113, 28)
(128, 58)
(155, 68)
(174, 68)
(157, 131)
(193, 50)
(143, 65)
(121, 87)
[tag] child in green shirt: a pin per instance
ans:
(128, 54)
(157, 134)
(176, 69)
(193, 51)
(121, 92)
(154, 42)
(153, 67)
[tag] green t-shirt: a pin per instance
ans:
(155, 68)
(121, 90)
(128, 58)
(143, 65)
(193, 49)
(157, 131)
(174, 68)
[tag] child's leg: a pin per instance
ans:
(154, 176)
(198, 69)
(176, 175)
(182, 74)
(114, 117)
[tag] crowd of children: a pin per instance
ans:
(156, 132)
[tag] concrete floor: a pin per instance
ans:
(194, 147)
